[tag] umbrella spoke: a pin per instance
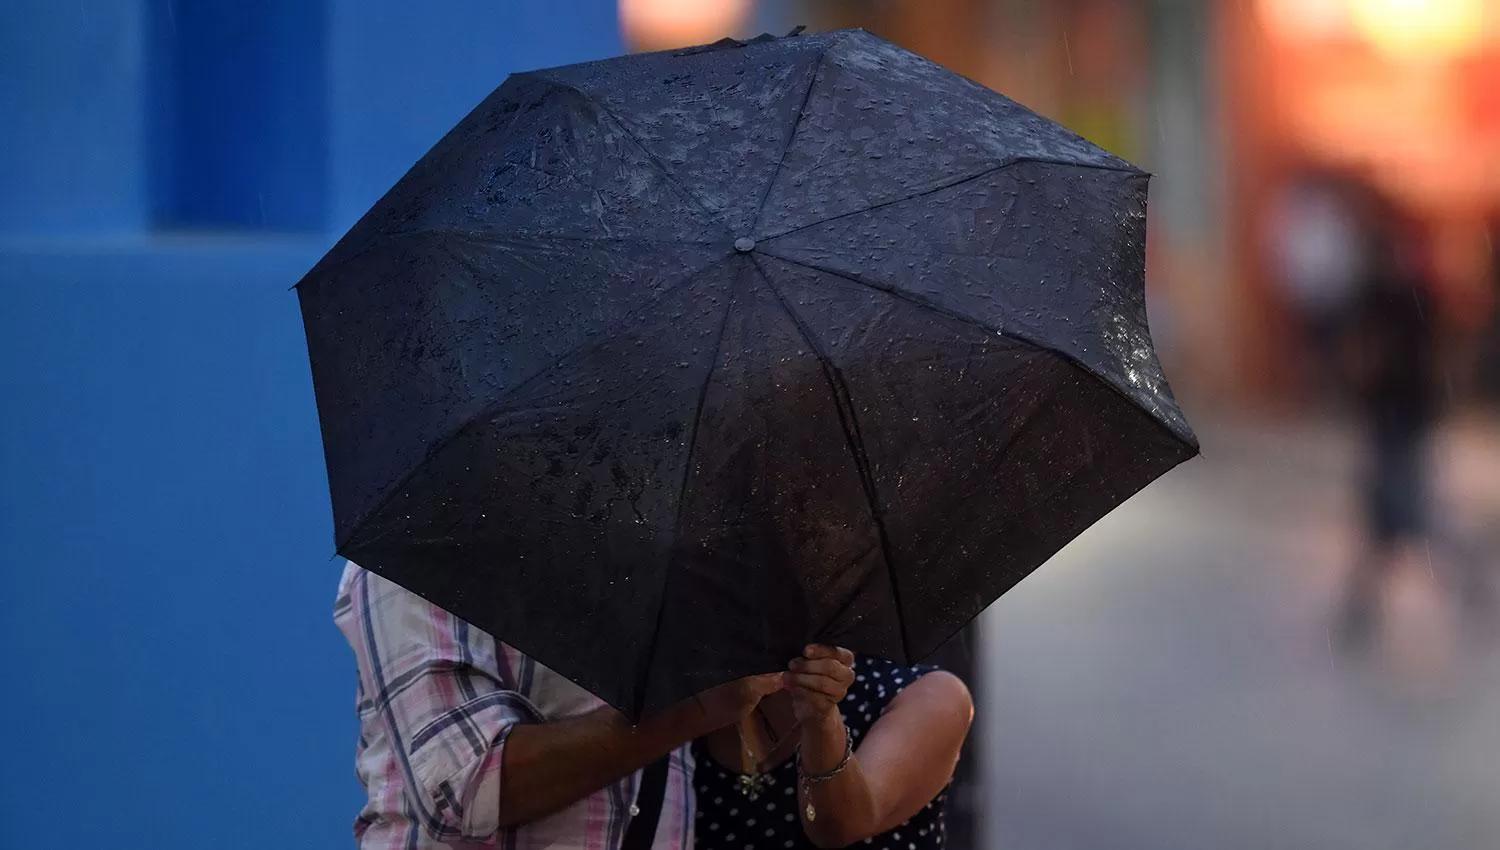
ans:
(651, 157)
(791, 138)
(849, 421)
(909, 297)
(949, 183)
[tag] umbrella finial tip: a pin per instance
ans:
(744, 244)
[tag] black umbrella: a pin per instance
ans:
(659, 367)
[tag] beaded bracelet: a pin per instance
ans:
(809, 780)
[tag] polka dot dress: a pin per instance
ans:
(728, 820)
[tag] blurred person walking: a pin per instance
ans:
(1317, 260)
(1489, 355)
(1393, 359)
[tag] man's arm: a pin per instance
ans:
(474, 755)
(549, 766)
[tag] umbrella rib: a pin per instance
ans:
(652, 158)
(371, 244)
(503, 239)
(687, 475)
(925, 304)
(496, 239)
(708, 376)
(844, 404)
(437, 447)
(901, 294)
(791, 138)
(545, 238)
(978, 175)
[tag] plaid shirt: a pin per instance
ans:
(437, 699)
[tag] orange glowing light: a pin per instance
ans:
(1420, 29)
(1306, 20)
(664, 24)
(1401, 29)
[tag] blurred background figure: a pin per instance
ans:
(1316, 256)
(1489, 356)
(1391, 342)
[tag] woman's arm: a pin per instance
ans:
(906, 759)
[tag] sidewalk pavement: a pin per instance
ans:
(1169, 680)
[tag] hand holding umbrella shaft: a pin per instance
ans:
(818, 682)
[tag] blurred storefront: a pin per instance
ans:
(1402, 94)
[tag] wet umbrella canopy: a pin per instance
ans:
(660, 367)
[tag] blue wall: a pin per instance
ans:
(238, 100)
(398, 72)
(174, 679)
(72, 119)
